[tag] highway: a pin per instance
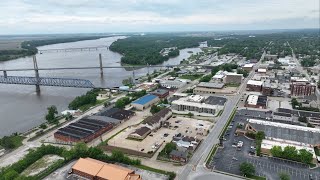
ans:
(196, 164)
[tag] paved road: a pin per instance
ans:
(197, 162)
(302, 70)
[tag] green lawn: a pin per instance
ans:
(232, 85)
(191, 76)
(228, 123)
(213, 151)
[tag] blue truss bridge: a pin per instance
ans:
(46, 81)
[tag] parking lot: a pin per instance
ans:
(229, 158)
(185, 126)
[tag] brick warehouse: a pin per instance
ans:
(84, 130)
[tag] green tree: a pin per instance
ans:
(247, 169)
(276, 151)
(52, 111)
(284, 176)
(305, 156)
(149, 78)
(290, 152)
(122, 102)
(154, 109)
(80, 150)
(127, 82)
(190, 114)
(260, 135)
(10, 175)
(167, 149)
(7, 142)
(302, 119)
(295, 103)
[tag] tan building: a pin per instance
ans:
(140, 133)
(233, 78)
(97, 170)
(248, 67)
(207, 88)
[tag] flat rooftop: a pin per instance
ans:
(287, 131)
(211, 85)
(255, 83)
(145, 99)
(215, 100)
(269, 143)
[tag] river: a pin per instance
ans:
(22, 109)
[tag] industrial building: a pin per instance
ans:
(288, 132)
(256, 101)
(117, 113)
(145, 102)
(87, 168)
(161, 93)
(172, 84)
(197, 104)
(84, 130)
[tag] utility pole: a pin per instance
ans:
(133, 77)
(35, 64)
(5, 74)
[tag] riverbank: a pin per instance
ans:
(28, 48)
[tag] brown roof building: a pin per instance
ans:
(98, 170)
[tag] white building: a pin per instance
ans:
(172, 84)
(195, 105)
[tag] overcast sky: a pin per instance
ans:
(91, 16)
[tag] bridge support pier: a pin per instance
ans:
(101, 69)
(35, 64)
(5, 74)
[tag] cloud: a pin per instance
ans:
(139, 14)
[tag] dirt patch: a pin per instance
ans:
(41, 165)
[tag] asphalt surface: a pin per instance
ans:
(197, 162)
(229, 158)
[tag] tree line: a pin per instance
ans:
(80, 150)
(29, 48)
(89, 98)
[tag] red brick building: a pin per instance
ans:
(302, 89)
(253, 85)
(84, 130)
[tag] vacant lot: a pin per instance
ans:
(41, 165)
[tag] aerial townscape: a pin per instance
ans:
(177, 102)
